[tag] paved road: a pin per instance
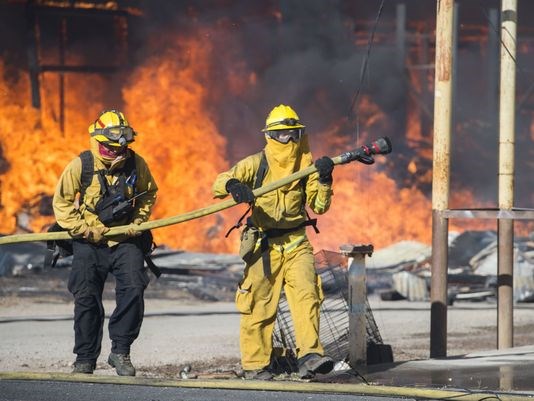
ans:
(11, 390)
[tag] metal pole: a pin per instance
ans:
(33, 57)
(357, 302)
(505, 273)
(441, 177)
(61, 78)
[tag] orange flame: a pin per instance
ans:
(168, 103)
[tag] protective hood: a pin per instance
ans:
(286, 159)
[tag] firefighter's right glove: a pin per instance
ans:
(325, 167)
(239, 191)
(95, 234)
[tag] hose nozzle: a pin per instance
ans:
(364, 154)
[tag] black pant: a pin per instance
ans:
(90, 267)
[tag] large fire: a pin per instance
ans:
(171, 99)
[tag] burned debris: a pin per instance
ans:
(402, 271)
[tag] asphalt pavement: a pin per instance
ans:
(500, 375)
(36, 357)
(44, 387)
(53, 391)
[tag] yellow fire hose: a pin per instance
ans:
(363, 154)
(356, 389)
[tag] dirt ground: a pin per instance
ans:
(182, 328)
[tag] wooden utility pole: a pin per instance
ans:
(505, 275)
(441, 176)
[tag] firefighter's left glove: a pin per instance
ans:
(133, 229)
(325, 167)
(239, 191)
(95, 234)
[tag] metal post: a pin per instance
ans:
(493, 70)
(357, 302)
(441, 177)
(62, 47)
(33, 58)
(506, 174)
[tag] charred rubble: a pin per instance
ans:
(402, 271)
(399, 271)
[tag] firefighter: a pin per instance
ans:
(119, 189)
(280, 253)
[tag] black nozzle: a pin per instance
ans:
(382, 146)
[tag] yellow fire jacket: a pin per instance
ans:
(76, 218)
(281, 208)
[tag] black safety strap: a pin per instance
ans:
(311, 222)
(153, 268)
(147, 245)
(265, 257)
(88, 170)
(278, 232)
(239, 222)
(262, 170)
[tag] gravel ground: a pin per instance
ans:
(181, 328)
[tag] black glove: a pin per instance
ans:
(239, 191)
(324, 167)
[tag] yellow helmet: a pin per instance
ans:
(111, 128)
(282, 117)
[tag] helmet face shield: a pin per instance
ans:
(286, 135)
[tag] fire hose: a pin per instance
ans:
(363, 154)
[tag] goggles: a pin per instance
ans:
(286, 135)
(114, 134)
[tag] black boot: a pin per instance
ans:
(87, 367)
(122, 364)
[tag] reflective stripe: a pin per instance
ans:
(289, 246)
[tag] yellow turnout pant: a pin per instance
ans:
(257, 300)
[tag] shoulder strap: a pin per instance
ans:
(262, 170)
(128, 174)
(129, 164)
(88, 170)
